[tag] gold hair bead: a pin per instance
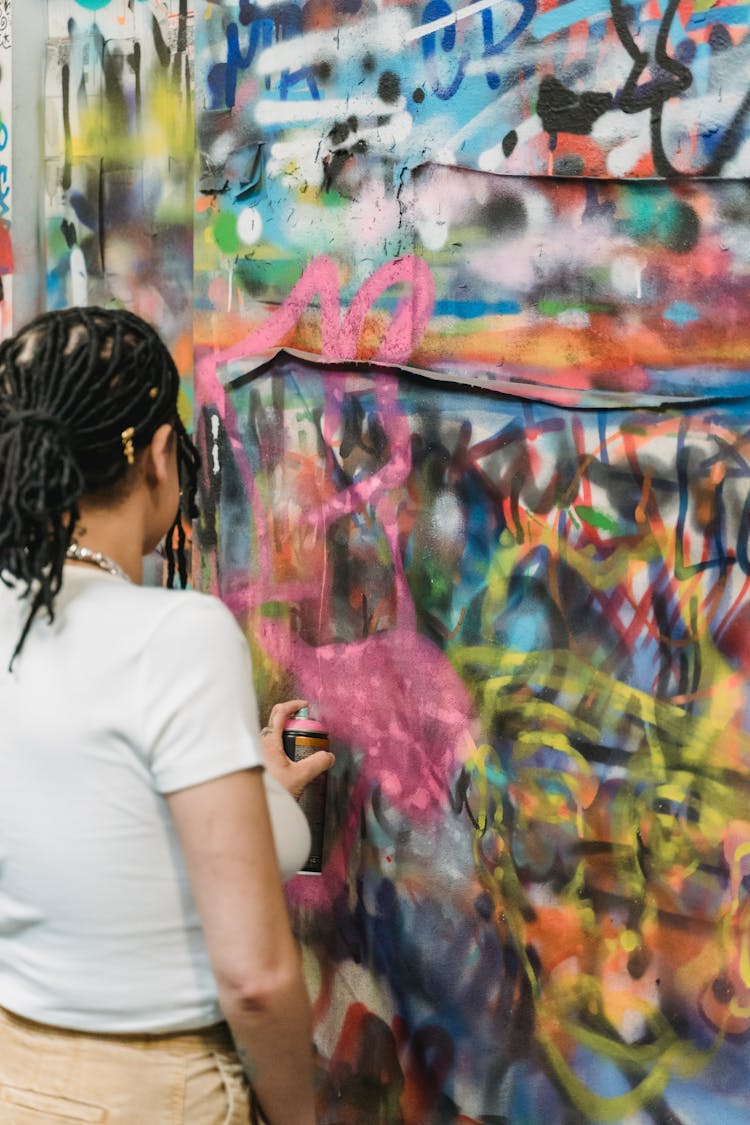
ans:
(153, 392)
(127, 444)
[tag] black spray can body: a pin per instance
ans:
(302, 737)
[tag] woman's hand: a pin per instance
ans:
(294, 776)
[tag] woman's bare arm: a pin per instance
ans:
(225, 834)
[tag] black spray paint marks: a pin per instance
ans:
(655, 77)
(510, 140)
(67, 165)
(505, 214)
(563, 111)
(323, 70)
(389, 87)
(69, 233)
(336, 162)
(683, 228)
(162, 50)
(115, 64)
(341, 130)
(182, 28)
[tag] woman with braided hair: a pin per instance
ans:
(147, 968)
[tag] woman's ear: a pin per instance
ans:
(161, 455)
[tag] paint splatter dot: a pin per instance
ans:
(679, 227)
(225, 232)
(629, 941)
(249, 226)
(389, 86)
(92, 5)
(722, 990)
(339, 133)
(510, 140)
(638, 962)
(418, 95)
(323, 70)
(484, 905)
(685, 51)
(505, 213)
(368, 64)
(719, 38)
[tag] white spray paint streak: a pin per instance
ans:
(378, 137)
(615, 127)
(701, 114)
(279, 113)
(382, 36)
(449, 21)
(222, 148)
(623, 159)
(300, 157)
(736, 168)
(79, 278)
(215, 463)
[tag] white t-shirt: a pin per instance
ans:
(132, 693)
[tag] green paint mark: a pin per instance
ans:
(597, 519)
(332, 199)
(551, 306)
(274, 609)
(649, 218)
(225, 233)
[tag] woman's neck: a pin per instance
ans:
(114, 533)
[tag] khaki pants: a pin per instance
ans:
(61, 1077)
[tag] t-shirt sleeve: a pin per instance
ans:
(200, 714)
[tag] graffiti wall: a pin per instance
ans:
(118, 177)
(349, 174)
(464, 291)
(526, 627)
(519, 607)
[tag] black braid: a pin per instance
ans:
(71, 382)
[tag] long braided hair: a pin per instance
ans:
(81, 391)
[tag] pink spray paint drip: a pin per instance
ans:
(340, 334)
(393, 696)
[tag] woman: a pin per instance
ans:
(140, 894)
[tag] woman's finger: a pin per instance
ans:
(300, 774)
(282, 712)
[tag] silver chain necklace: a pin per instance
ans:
(96, 558)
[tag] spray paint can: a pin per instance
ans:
(302, 737)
